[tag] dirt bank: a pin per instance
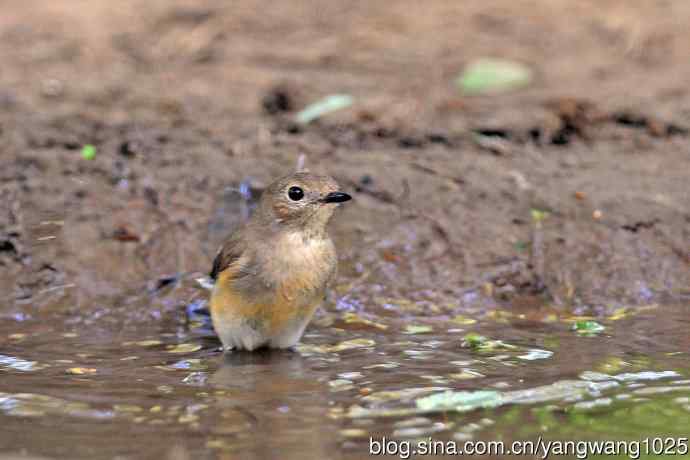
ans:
(574, 190)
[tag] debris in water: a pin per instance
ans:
(354, 433)
(143, 343)
(588, 328)
(197, 379)
(466, 374)
(340, 384)
(599, 402)
(414, 421)
(390, 365)
(353, 318)
(193, 364)
(481, 343)
(350, 375)
(184, 348)
(463, 320)
(460, 401)
(417, 329)
(620, 313)
(645, 375)
(420, 431)
(81, 371)
(659, 390)
(612, 364)
(128, 408)
(342, 346)
(17, 364)
(535, 354)
(594, 376)
(38, 405)
(404, 395)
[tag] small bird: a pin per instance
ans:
(271, 274)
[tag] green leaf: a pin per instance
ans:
(538, 215)
(588, 327)
(88, 152)
(324, 107)
(481, 343)
(487, 75)
(474, 340)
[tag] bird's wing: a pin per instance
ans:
(230, 252)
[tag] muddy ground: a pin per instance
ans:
(186, 101)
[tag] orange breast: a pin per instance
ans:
(292, 299)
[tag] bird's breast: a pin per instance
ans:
(287, 284)
(302, 261)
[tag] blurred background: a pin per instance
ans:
(583, 112)
(517, 166)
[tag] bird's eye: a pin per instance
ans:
(295, 193)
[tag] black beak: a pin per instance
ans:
(336, 197)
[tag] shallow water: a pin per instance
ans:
(122, 385)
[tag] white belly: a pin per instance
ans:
(239, 335)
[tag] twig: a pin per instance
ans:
(300, 162)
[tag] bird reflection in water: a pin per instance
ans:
(274, 405)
